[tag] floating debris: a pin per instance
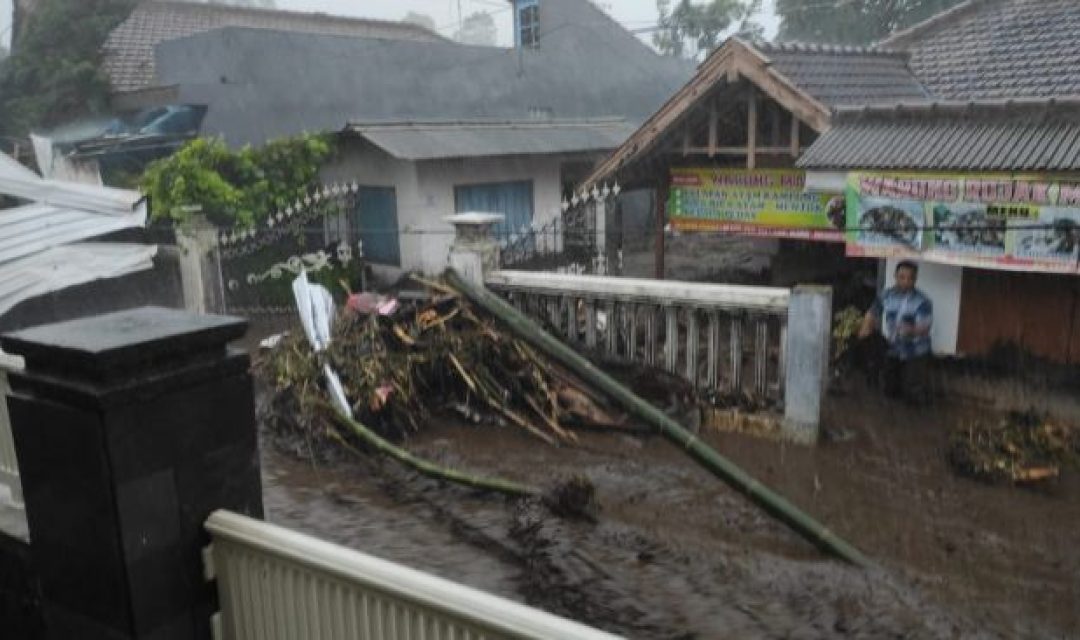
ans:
(1022, 447)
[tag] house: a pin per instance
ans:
(430, 127)
(980, 96)
(1003, 132)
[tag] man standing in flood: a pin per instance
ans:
(905, 316)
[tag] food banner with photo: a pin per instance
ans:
(768, 202)
(1010, 222)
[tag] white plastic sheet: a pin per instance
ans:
(316, 308)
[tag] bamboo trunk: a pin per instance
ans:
(718, 465)
(430, 469)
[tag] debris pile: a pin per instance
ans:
(1020, 448)
(400, 362)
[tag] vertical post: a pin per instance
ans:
(659, 269)
(590, 323)
(200, 266)
(713, 366)
(693, 338)
(131, 428)
(631, 331)
(650, 334)
(714, 127)
(796, 148)
(807, 356)
(570, 305)
(736, 353)
(475, 251)
(612, 327)
(761, 357)
(671, 341)
(751, 130)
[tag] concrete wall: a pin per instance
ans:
(943, 284)
(425, 192)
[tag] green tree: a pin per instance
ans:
(692, 30)
(55, 72)
(478, 28)
(234, 188)
(857, 22)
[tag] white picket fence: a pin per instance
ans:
(275, 583)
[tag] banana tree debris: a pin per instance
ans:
(1020, 448)
(399, 363)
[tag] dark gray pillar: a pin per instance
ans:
(130, 429)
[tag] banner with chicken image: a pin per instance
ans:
(995, 221)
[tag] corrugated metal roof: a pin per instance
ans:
(433, 141)
(998, 136)
(129, 49)
(40, 248)
(62, 267)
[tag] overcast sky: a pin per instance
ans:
(634, 14)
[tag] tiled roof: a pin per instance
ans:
(1035, 135)
(839, 76)
(997, 49)
(129, 50)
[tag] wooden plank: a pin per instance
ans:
(659, 269)
(613, 324)
(714, 124)
(751, 130)
(693, 336)
(795, 131)
(590, 323)
(712, 375)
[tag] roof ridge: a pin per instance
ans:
(319, 15)
(932, 22)
(811, 47)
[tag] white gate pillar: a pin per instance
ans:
(475, 251)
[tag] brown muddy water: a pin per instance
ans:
(671, 552)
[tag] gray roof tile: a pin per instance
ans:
(838, 76)
(129, 49)
(999, 48)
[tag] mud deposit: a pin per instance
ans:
(674, 553)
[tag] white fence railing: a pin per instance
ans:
(276, 583)
(9, 464)
(710, 334)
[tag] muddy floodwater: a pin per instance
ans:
(671, 552)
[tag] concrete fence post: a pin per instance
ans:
(809, 332)
(131, 429)
(200, 266)
(475, 251)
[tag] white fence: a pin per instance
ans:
(275, 583)
(710, 334)
(9, 464)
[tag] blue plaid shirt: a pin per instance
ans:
(895, 308)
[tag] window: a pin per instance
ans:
(514, 200)
(528, 20)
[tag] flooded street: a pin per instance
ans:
(674, 553)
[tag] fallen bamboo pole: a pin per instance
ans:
(726, 470)
(428, 468)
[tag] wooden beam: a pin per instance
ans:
(662, 192)
(713, 127)
(795, 148)
(751, 130)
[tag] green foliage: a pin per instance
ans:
(857, 22)
(691, 30)
(55, 72)
(234, 188)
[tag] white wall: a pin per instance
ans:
(425, 193)
(942, 283)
